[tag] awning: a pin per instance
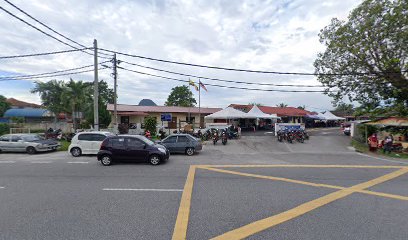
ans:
(255, 112)
(392, 121)
(227, 113)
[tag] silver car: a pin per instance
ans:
(182, 143)
(30, 143)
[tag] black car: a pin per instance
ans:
(131, 148)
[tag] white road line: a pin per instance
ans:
(382, 159)
(143, 189)
(287, 145)
(7, 161)
(78, 162)
(41, 162)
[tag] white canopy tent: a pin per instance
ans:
(255, 112)
(227, 113)
(330, 116)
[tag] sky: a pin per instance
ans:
(280, 35)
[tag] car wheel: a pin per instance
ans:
(106, 160)
(76, 152)
(190, 151)
(31, 150)
(154, 159)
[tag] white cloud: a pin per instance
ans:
(251, 34)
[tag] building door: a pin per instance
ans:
(124, 119)
(173, 123)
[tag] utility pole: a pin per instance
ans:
(115, 79)
(199, 103)
(96, 88)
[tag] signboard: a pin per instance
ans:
(165, 117)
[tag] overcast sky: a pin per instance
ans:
(280, 35)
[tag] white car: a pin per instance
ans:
(87, 143)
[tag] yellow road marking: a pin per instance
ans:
(180, 229)
(266, 223)
(394, 196)
(299, 166)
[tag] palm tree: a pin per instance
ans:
(51, 95)
(76, 96)
(282, 105)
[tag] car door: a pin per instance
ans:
(117, 147)
(17, 144)
(182, 143)
(170, 143)
(96, 142)
(85, 143)
(5, 143)
(136, 150)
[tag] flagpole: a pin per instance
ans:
(199, 103)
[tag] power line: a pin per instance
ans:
(55, 75)
(222, 80)
(42, 54)
(221, 86)
(47, 73)
(243, 70)
(49, 28)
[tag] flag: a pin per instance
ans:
(191, 83)
(202, 85)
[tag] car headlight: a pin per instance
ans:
(162, 150)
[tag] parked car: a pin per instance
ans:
(131, 148)
(30, 143)
(182, 143)
(87, 142)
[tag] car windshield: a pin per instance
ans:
(29, 138)
(146, 140)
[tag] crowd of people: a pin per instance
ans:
(386, 144)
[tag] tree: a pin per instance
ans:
(301, 107)
(255, 104)
(4, 105)
(181, 96)
(370, 53)
(51, 95)
(106, 95)
(345, 108)
(282, 105)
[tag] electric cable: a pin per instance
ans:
(42, 54)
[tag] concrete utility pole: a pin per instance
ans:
(115, 78)
(96, 88)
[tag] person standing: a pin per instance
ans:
(387, 144)
(373, 142)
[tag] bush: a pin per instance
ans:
(361, 136)
(150, 124)
(4, 128)
(123, 128)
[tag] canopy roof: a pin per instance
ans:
(27, 112)
(227, 113)
(392, 121)
(330, 116)
(255, 112)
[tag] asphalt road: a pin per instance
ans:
(254, 187)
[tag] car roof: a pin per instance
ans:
(95, 132)
(21, 134)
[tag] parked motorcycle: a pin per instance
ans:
(215, 137)
(224, 137)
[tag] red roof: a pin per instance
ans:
(132, 114)
(20, 104)
(280, 111)
(161, 109)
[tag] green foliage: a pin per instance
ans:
(17, 119)
(301, 107)
(255, 104)
(361, 135)
(373, 39)
(181, 96)
(64, 145)
(282, 105)
(75, 96)
(150, 123)
(4, 105)
(4, 128)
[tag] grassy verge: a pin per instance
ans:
(64, 145)
(361, 147)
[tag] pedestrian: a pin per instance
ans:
(387, 144)
(373, 142)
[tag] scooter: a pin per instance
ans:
(224, 138)
(215, 137)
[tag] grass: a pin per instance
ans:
(64, 145)
(361, 147)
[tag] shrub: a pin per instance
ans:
(4, 128)
(150, 124)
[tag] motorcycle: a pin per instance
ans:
(299, 136)
(224, 137)
(289, 137)
(280, 135)
(215, 137)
